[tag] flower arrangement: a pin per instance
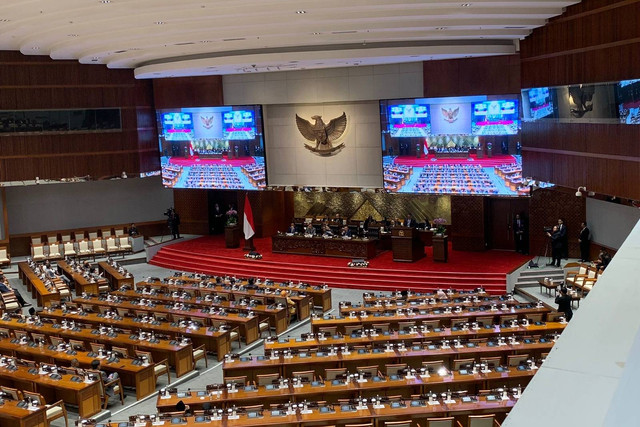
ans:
(253, 255)
(232, 217)
(439, 224)
(358, 264)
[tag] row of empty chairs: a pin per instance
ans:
(583, 279)
(112, 245)
(69, 236)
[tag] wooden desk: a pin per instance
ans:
(279, 317)
(86, 396)
(369, 415)
(321, 294)
(248, 325)
(215, 341)
(142, 378)
(407, 338)
(179, 356)
(115, 278)
(39, 291)
(421, 305)
(331, 392)
(82, 284)
(254, 366)
(200, 290)
(13, 416)
(419, 316)
(334, 247)
(451, 294)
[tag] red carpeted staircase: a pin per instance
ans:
(466, 270)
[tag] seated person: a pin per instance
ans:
(95, 365)
(603, 259)
(6, 288)
(291, 306)
(326, 231)
(292, 228)
(345, 232)
(310, 230)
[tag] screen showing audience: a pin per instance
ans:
(628, 94)
(212, 147)
(540, 103)
(462, 145)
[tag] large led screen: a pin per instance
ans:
(463, 145)
(212, 147)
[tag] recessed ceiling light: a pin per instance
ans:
(301, 12)
(35, 48)
(441, 28)
(105, 1)
(465, 4)
(95, 58)
(205, 41)
(72, 35)
(159, 22)
(315, 34)
(5, 20)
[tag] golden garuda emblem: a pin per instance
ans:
(324, 135)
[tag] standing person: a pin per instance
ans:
(519, 234)
(409, 222)
(133, 230)
(562, 228)
(174, 224)
(583, 239)
(556, 246)
(564, 303)
(218, 219)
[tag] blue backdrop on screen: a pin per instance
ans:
(212, 147)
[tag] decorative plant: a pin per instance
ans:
(232, 217)
(439, 224)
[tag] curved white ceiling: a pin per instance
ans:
(161, 38)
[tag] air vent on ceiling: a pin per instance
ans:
(513, 28)
(344, 32)
(120, 51)
(183, 44)
(234, 40)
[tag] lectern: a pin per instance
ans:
(406, 244)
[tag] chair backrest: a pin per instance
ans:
(34, 396)
(13, 392)
(404, 423)
(83, 245)
(119, 231)
(462, 363)
(111, 242)
(440, 422)
(267, 379)
(485, 320)
(120, 352)
(123, 240)
(35, 240)
(79, 235)
(368, 370)
(52, 238)
(97, 243)
(481, 420)
(147, 354)
(333, 373)
(516, 359)
(306, 376)
(65, 237)
(68, 247)
(535, 317)
(37, 249)
(3, 252)
(96, 347)
(56, 340)
(431, 324)
(395, 369)
(240, 380)
(349, 329)
(106, 232)
(382, 327)
(434, 365)
(54, 249)
(93, 235)
(491, 361)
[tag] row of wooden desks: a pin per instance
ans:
(86, 396)
(341, 415)
(432, 335)
(319, 361)
(419, 316)
(279, 317)
(331, 391)
(82, 284)
(346, 308)
(248, 325)
(115, 278)
(138, 376)
(215, 340)
(11, 415)
(178, 355)
(302, 300)
(321, 294)
(43, 296)
(450, 294)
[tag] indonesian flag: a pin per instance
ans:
(248, 228)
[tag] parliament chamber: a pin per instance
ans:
(392, 214)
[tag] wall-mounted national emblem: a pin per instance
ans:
(324, 135)
(207, 121)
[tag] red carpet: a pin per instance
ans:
(181, 161)
(465, 270)
(484, 162)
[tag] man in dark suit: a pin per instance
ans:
(409, 222)
(562, 229)
(5, 288)
(292, 228)
(556, 246)
(345, 232)
(583, 239)
(519, 229)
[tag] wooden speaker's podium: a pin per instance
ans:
(406, 244)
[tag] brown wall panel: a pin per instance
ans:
(496, 75)
(467, 223)
(39, 83)
(193, 208)
(188, 92)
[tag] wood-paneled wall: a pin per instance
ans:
(40, 83)
(496, 75)
(468, 223)
(193, 207)
(593, 41)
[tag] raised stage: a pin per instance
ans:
(465, 270)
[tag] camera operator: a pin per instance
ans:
(173, 221)
(557, 245)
